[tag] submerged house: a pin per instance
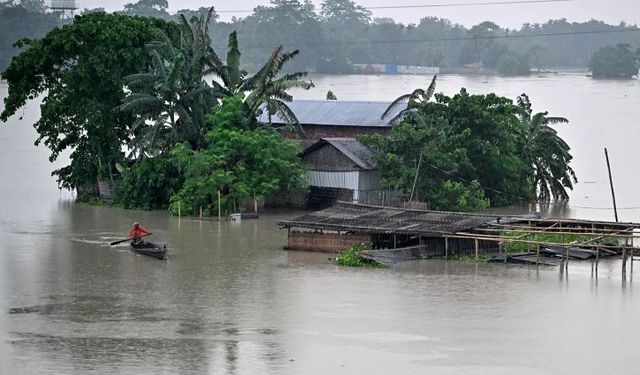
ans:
(342, 169)
(338, 227)
(399, 234)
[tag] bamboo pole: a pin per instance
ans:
(632, 249)
(179, 214)
(446, 247)
(255, 203)
(415, 180)
(613, 193)
(200, 212)
(219, 211)
(476, 243)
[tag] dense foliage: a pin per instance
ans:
(239, 161)
(615, 62)
(149, 183)
(341, 32)
(351, 257)
(468, 151)
(79, 68)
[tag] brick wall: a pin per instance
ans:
(324, 242)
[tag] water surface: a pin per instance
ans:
(229, 300)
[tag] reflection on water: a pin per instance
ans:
(229, 300)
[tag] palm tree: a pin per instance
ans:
(413, 102)
(545, 152)
(266, 89)
(171, 99)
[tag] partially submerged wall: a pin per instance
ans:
(324, 242)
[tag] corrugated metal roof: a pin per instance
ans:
(336, 113)
(350, 147)
(374, 219)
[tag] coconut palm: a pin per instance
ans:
(545, 152)
(413, 102)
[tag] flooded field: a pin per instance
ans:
(229, 300)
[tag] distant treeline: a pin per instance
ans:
(340, 33)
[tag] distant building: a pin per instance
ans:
(341, 169)
(335, 119)
(65, 8)
(397, 69)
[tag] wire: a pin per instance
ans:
(465, 38)
(450, 5)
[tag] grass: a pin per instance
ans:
(351, 257)
(517, 246)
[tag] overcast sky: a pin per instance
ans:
(510, 16)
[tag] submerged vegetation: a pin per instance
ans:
(351, 257)
(127, 97)
(188, 139)
(519, 246)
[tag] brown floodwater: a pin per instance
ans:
(229, 300)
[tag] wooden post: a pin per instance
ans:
(597, 259)
(624, 261)
(446, 248)
(394, 241)
(632, 253)
(613, 194)
(538, 255)
(413, 188)
(200, 212)
(219, 198)
(476, 243)
(255, 203)
(179, 210)
(566, 263)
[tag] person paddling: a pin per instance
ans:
(137, 232)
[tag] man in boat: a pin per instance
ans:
(137, 232)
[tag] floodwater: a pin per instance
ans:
(230, 301)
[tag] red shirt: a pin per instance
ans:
(137, 232)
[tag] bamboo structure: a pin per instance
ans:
(455, 233)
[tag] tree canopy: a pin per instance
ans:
(79, 68)
(468, 151)
(615, 62)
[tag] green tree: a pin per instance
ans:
(545, 153)
(462, 152)
(614, 62)
(79, 68)
(414, 102)
(267, 88)
(539, 56)
(148, 8)
(149, 183)
(239, 161)
(514, 64)
(171, 99)
(481, 37)
(287, 23)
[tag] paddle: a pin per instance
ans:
(128, 239)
